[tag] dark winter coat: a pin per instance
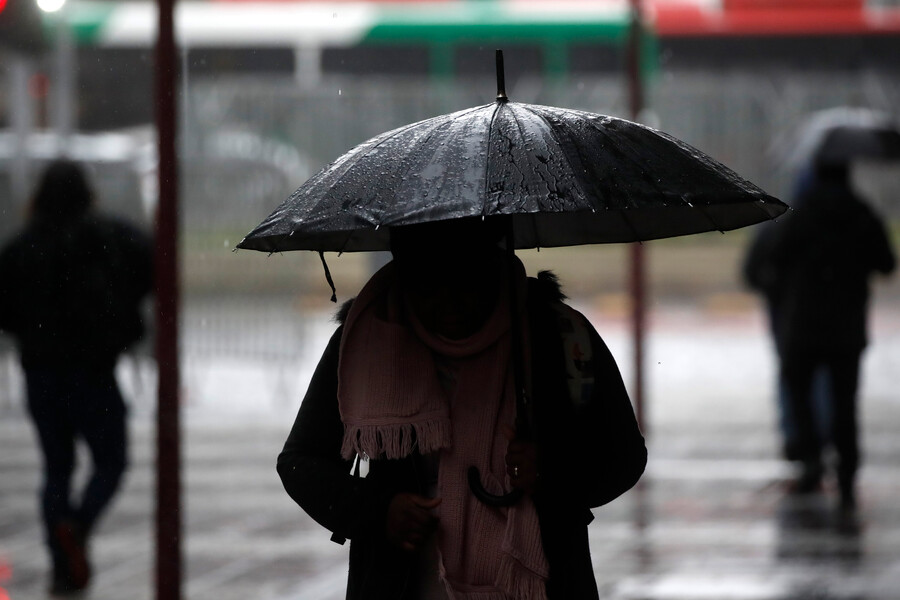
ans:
(814, 268)
(590, 453)
(70, 293)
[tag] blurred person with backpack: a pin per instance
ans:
(71, 285)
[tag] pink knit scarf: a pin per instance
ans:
(392, 401)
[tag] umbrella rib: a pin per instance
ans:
(346, 241)
(703, 212)
(757, 203)
(276, 243)
(522, 133)
(487, 164)
(555, 139)
(541, 117)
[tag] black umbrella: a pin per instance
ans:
(560, 177)
(566, 177)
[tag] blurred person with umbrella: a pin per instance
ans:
(492, 415)
(70, 288)
(814, 270)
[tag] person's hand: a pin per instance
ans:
(410, 520)
(521, 463)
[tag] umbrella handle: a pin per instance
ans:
(488, 498)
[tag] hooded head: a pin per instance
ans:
(63, 194)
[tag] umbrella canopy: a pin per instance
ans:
(566, 177)
(839, 136)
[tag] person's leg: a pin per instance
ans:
(845, 429)
(822, 402)
(47, 404)
(797, 374)
(102, 424)
(790, 447)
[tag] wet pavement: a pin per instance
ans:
(710, 519)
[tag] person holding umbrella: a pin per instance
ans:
(491, 414)
(814, 270)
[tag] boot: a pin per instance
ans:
(74, 573)
(847, 490)
(810, 479)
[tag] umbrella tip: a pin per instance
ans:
(501, 78)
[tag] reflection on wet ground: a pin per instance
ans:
(726, 528)
(768, 546)
(710, 521)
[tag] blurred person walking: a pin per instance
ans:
(71, 284)
(814, 268)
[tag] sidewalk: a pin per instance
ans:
(709, 520)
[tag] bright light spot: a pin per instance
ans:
(50, 5)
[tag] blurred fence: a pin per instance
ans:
(247, 142)
(733, 116)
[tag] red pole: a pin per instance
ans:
(637, 279)
(168, 434)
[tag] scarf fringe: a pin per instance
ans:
(520, 582)
(396, 440)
